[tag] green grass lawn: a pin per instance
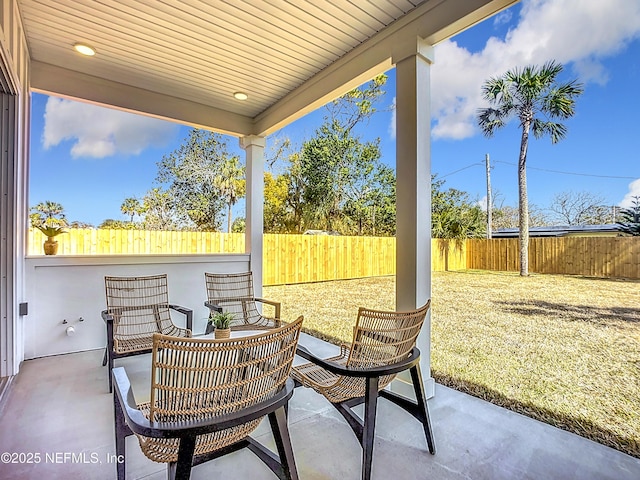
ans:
(564, 350)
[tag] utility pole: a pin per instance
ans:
(488, 197)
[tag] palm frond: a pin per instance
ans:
(556, 131)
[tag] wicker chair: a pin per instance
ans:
(233, 292)
(383, 345)
(207, 396)
(138, 307)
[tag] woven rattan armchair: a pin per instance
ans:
(383, 345)
(207, 396)
(138, 307)
(233, 292)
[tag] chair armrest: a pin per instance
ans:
(213, 306)
(107, 317)
(270, 302)
(412, 359)
(141, 425)
(185, 311)
(122, 388)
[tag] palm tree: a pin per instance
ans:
(49, 214)
(131, 206)
(532, 95)
(629, 222)
(231, 184)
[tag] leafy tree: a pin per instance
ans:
(112, 224)
(358, 105)
(341, 179)
(629, 219)
(453, 215)
(239, 225)
(132, 207)
(193, 174)
(276, 212)
(340, 175)
(532, 95)
(159, 210)
(580, 208)
(79, 224)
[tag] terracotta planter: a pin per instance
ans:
(220, 333)
(50, 246)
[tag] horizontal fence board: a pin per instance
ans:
(314, 258)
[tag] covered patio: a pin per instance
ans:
(474, 439)
(184, 62)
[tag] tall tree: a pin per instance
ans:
(131, 206)
(532, 95)
(192, 174)
(629, 218)
(340, 173)
(507, 216)
(580, 208)
(231, 184)
(159, 210)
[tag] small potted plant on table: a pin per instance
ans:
(222, 322)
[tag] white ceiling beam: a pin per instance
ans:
(53, 80)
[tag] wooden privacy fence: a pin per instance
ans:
(313, 258)
(287, 258)
(610, 257)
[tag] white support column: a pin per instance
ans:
(413, 201)
(254, 148)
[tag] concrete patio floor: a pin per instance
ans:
(59, 408)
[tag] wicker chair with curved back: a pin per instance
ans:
(138, 307)
(207, 396)
(383, 345)
(233, 292)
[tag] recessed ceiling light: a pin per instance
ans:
(84, 49)
(240, 96)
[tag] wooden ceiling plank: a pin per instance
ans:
(245, 41)
(147, 26)
(168, 64)
(305, 24)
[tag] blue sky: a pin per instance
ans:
(90, 159)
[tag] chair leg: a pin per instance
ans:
(121, 432)
(368, 434)
(182, 470)
(278, 421)
(109, 352)
(110, 361)
(104, 358)
(416, 378)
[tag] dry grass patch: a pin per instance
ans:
(564, 350)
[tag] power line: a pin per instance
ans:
(463, 168)
(568, 173)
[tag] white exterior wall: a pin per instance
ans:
(14, 80)
(60, 288)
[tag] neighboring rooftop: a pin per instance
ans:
(610, 230)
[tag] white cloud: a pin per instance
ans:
(99, 132)
(634, 191)
(572, 32)
(503, 17)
